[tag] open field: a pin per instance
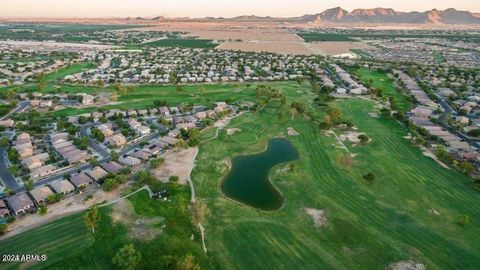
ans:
(183, 43)
(368, 226)
(309, 37)
(336, 47)
(382, 81)
(295, 47)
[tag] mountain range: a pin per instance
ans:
(388, 15)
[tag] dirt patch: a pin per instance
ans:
(179, 163)
(428, 153)
(317, 215)
(292, 132)
(373, 114)
(141, 228)
(232, 131)
(406, 265)
(337, 47)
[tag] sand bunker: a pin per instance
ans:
(177, 163)
(406, 265)
(232, 131)
(317, 215)
(351, 136)
(292, 132)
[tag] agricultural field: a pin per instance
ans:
(382, 81)
(183, 43)
(311, 37)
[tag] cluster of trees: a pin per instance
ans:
(113, 181)
(156, 162)
(97, 134)
(192, 135)
(333, 116)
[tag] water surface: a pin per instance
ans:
(248, 181)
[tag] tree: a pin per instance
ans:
(199, 211)
(173, 178)
(188, 263)
(42, 210)
(155, 163)
(463, 220)
(94, 162)
(127, 257)
(91, 218)
(4, 142)
(40, 79)
(369, 177)
(363, 138)
(114, 155)
(28, 185)
(334, 113)
(466, 167)
(3, 229)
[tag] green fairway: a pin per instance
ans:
(58, 240)
(183, 43)
(368, 225)
(382, 81)
(244, 138)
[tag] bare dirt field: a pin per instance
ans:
(179, 163)
(336, 47)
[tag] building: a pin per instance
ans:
(40, 194)
(4, 212)
(117, 140)
(81, 180)
(130, 161)
(9, 123)
(62, 186)
(97, 173)
(112, 167)
(42, 171)
(20, 203)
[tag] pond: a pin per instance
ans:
(248, 181)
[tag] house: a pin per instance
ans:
(59, 138)
(462, 120)
(143, 155)
(62, 186)
(76, 156)
(40, 194)
(164, 111)
(87, 99)
(42, 171)
(20, 203)
(130, 161)
(117, 140)
(201, 115)
(143, 130)
(97, 173)
(35, 161)
(112, 167)
(81, 180)
(4, 212)
(168, 140)
(341, 91)
(9, 123)
(24, 150)
(174, 133)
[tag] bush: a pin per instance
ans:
(363, 138)
(369, 177)
(173, 178)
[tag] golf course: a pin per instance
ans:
(329, 217)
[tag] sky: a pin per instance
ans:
(216, 8)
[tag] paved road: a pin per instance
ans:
(21, 106)
(91, 142)
(6, 177)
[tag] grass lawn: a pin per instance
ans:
(368, 225)
(382, 81)
(58, 240)
(183, 43)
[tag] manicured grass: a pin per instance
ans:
(368, 225)
(183, 43)
(382, 81)
(309, 37)
(58, 240)
(244, 138)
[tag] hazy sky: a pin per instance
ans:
(201, 8)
